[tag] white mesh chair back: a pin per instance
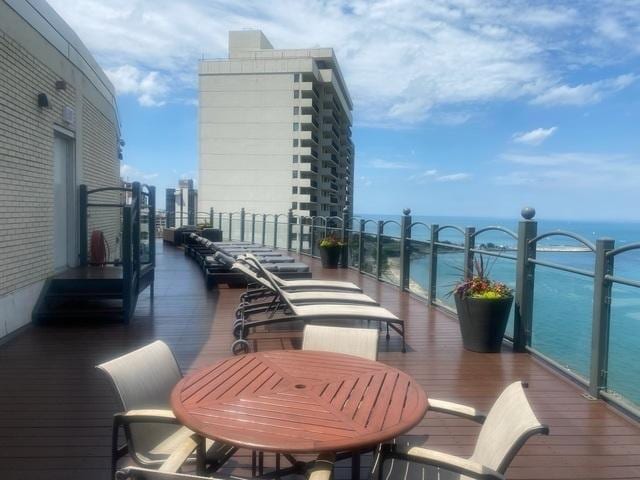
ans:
(143, 379)
(509, 424)
(362, 342)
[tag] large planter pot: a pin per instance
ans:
(330, 256)
(483, 322)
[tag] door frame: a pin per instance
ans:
(72, 195)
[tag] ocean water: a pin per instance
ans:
(563, 302)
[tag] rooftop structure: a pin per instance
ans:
(59, 127)
(275, 130)
(181, 204)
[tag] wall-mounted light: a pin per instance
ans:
(61, 85)
(43, 100)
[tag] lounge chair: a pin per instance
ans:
(318, 312)
(291, 285)
(266, 289)
(362, 342)
(505, 430)
(143, 380)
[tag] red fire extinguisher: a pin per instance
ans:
(99, 253)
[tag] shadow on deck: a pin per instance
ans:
(56, 410)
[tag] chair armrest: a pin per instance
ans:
(322, 467)
(147, 416)
(457, 409)
(439, 459)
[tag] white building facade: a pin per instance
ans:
(274, 131)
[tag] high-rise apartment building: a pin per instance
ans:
(275, 130)
(181, 204)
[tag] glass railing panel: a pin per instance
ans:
(624, 336)
(354, 243)
(145, 226)
(562, 313)
(369, 254)
(282, 234)
(235, 228)
(390, 259)
(449, 273)
(419, 262)
(268, 238)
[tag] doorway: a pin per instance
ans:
(64, 202)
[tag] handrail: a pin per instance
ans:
(415, 224)
(109, 189)
(449, 227)
(563, 233)
(624, 248)
(495, 228)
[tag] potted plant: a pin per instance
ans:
(483, 310)
(330, 249)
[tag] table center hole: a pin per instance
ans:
(300, 385)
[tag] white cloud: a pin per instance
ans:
(365, 181)
(583, 94)
(405, 62)
(150, 87)
(534, 137)
(586, 171)
(388, 165)
(454, 177)
(131, 173)
(433, 174)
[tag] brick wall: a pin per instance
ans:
(26, 163)
(100, 148)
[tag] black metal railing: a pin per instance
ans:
(426, 259)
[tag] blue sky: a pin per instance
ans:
(461, 107)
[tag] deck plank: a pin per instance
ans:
(56, 409)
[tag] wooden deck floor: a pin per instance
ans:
(55, 409)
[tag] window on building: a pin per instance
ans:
(295, 158)
(296, 94)
(294, 190)
(296, 110)
(296, 127)
(294, 174)
(294, 205)
(296, 77)
(296, 142)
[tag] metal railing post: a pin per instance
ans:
(300, 229)
(152, 227)
(344, 258)
(230, 225)
(83, 201)
(275, 231)
(312, 235)
(289, 230)
(525, 272)
(242, 216)
(405, 234)
(433, 262)
(601, 316)
(253, 228)
(361, 244)
(211, 217)
(469, 244)
(264, 228)
(379, 249)
(220, 220)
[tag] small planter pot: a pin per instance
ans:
(330, 256)
(483, 322)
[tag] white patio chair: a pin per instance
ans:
(143, 380)
(320, 469)
(362, 342)
(505, 430)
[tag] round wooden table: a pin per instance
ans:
(299, 402)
